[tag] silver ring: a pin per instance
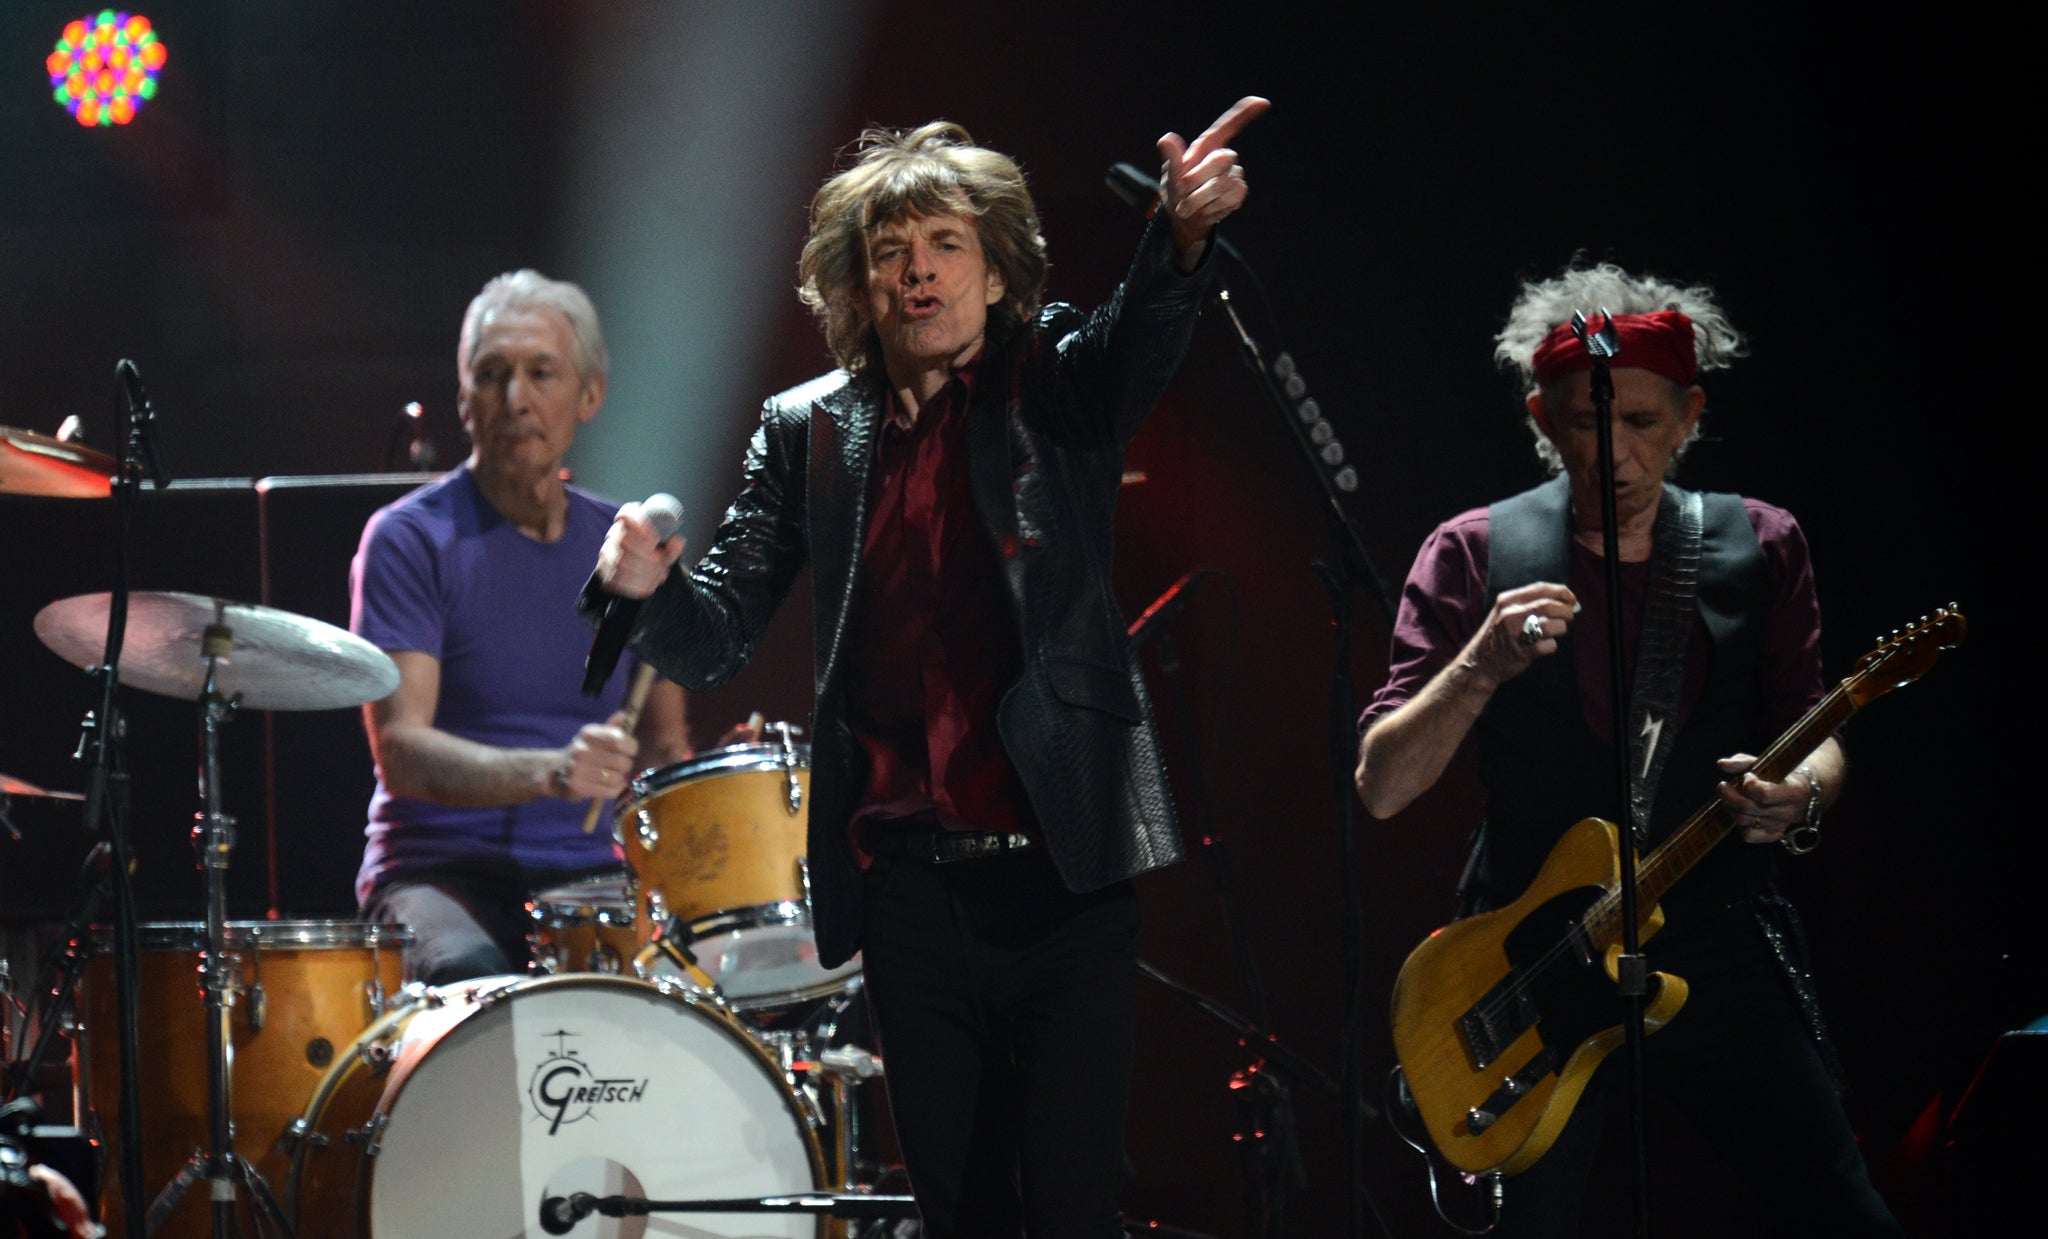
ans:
(1532, 629)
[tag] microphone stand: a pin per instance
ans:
(102, 746)
(1287, 391)
(1631, 970)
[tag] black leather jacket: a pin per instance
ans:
(1046, 432)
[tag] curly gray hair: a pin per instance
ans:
(1545, 304)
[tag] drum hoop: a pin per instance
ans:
(733, 759)
(549, 914)
(274, 935)
(488, 992)
(781, 913)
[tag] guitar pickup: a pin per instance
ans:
(1492, 1024)
(1511, 1090)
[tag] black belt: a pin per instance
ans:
(941, 847)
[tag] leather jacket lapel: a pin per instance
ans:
(842, 451)
(988, 462)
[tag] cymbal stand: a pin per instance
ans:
(222, 1168)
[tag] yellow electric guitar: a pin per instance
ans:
(1500, 1019)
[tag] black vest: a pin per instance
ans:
(1543, 767)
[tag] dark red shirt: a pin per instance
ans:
(1445, 602)
(932, 641)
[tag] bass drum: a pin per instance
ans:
(460, 1112)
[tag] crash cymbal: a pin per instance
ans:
(277, 660)
(11, 786)
(33, 464)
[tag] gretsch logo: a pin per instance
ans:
(564, 1089)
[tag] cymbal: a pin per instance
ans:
(11, 786)
(277, 661)
(33, 464)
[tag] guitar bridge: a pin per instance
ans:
(1492, 1024)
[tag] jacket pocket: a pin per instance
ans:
(1081, 681)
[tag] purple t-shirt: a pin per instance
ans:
(1445, 601)
(440, 571)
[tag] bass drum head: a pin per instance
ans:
(584, 1083)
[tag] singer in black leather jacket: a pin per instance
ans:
(1001, 983)
(1047, 450)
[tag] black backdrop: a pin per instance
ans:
(290, 254)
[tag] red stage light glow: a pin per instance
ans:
(104, 68)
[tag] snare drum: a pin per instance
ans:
(302, 991)
(586, 926)
(460, 1112)
(716, 845)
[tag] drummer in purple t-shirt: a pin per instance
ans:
(488, 751)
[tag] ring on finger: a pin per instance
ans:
(1532, 629)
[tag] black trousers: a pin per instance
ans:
(1738, 1064)
(1004, 1005)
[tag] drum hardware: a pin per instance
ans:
(794, 795)
(247, 656)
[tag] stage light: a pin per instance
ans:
(104, 68)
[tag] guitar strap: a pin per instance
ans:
(1668, 613)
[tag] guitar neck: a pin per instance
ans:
(1671, 860)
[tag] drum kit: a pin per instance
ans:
(675, 1047)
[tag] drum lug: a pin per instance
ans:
(369, 1137)
(650, 835)
(803, 877)
(299, 1133)
(259, 1007)
(793, 791)
(373, 993)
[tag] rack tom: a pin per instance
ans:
(717, 849)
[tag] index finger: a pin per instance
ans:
(1227, 126)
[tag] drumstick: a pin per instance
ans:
(636, 696)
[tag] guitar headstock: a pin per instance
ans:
(1906, 655)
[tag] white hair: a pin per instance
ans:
(1546, 304)
(527, 289)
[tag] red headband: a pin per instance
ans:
(1660, 342)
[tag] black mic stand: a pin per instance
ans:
(102, 746)
(1273, 1161)
(1286, 389)
(1270, 1145)
(1631, 972)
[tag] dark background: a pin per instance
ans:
(286, 238)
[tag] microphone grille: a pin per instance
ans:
(665, 512)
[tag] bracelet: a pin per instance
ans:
(1805, 837)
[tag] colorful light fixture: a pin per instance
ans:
(104, 68)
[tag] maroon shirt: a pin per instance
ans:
(1445, 601)
(932, 642)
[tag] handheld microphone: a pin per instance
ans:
(1139, 192)
(665, 513)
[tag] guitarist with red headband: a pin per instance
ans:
(1502, 636)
